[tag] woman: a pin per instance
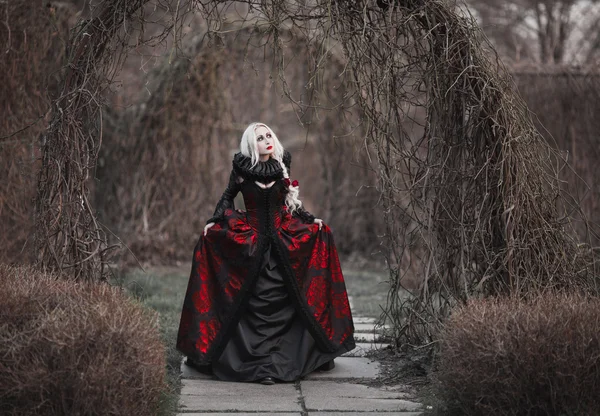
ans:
(266, 299)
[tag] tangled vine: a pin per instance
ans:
(468, 187)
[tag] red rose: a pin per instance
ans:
(295, 183)
(286, 181)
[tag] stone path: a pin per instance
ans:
(332, 393)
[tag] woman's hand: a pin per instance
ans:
(206, 228)
(319, 221)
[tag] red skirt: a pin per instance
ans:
(227, 265)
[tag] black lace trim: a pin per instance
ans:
(226, 200)
(263, 171)
(304, 215)
(237, 309)
(313, 326)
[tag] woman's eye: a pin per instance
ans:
(259, 138)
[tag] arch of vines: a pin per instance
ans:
(469, 189)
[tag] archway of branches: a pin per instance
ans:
(468, 187)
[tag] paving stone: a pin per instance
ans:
(362, 348)
(363, 320)
(215, 396)
(405, 389)
(350, 389)
(249, 414)
(348, 367)
(367, 337)
(327, 396)
(188, 372)
(369, 327)
(364, 413)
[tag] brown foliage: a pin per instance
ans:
(566, 103)
(165, 161)
(32, 47)
(70, 348)
(68, 236)
(469, 187)
(512, 357)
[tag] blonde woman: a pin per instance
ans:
(266, 300)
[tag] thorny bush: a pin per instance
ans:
(507, 356)
(69, 348)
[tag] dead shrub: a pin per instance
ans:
(510, 357)
(70, 348)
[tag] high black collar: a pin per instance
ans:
(262, 171)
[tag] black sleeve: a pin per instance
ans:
(304, 215)
(301, 213)
(226, 201)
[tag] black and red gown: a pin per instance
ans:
(266, 295)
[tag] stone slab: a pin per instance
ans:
(369, 327)
(363, 320)
(364, 413)
(327, 396)
(362, 348)
(247, 414)
(348, 367)
(219, 396)
(189, 373)
(367, 337)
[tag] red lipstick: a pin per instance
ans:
(269, 147)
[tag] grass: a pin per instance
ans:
(368, 291)
(163, 289)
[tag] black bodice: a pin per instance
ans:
(264, 206)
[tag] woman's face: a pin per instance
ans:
(264, 141)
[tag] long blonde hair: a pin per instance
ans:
(249, 149)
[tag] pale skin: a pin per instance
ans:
(264, 144)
